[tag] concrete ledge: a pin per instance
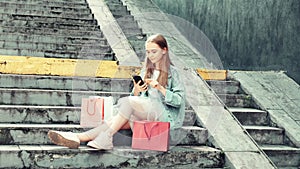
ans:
(65, 67)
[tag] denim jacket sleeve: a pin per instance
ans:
(175, 90)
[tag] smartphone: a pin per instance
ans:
(137, 78)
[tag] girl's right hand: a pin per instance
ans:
(138, 88)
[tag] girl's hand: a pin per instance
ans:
(156, 85)
(139, 88)
(153, 83)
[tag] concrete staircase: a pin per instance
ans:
(129, 26)
(56, 29)
(31, 105)
(271, 139)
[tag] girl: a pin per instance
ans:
(161, 97)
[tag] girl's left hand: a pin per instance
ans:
(153, 83)
(156, 85)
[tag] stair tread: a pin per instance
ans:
(262, 128)
(279, 147)
(241, 109)
(86, 148)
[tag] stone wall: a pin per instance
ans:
(248, 35)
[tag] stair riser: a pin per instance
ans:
(67, 158)
(236, 100)
(46, 24)
(50, 3)
(284, 158)
(56, 115)
(65, 83)
(45, 7)
(46, 13)
(57, 54)
(88, 32)
(23, 17)
(267, 136)
(54, 39)
(92, 48)
(38, 136)
(49, 98)
(252, 118)
(224, 87)
(54, 1)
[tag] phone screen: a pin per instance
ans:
(137, 78)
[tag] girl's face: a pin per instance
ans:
(154, 53)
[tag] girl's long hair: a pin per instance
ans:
(165, 63)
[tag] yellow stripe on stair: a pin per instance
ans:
(207, 74)
(64, 67)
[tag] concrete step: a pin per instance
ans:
(50, 13)
(50, 19)
(283, 156)
(58, 1)
(120, 157)
(95, 32)
(53, 31)
(237, 100)
(46, 24)
(50, 97)
(266, 135)
(251, 116)
(65, 83)
(49, 3)
(22, 114)
(117, 9)
(224, 87)
(58, 54)
(36, 134)
(54, 46)
(67, 39)
(16, 5)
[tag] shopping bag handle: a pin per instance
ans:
(151, 126)
(87, 108)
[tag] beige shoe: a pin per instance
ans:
(102, 142)
(67, 139)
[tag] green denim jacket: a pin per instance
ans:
(174, 101)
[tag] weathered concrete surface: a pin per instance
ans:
(65, 83)
(113, 33)
(276, 93)
(51, 97)
(125, 157)
(225, 132)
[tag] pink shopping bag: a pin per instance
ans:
(92, 112)
(151, 135)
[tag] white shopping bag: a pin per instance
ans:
(108, 106)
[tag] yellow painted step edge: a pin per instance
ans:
(64, 67)
(212, 74)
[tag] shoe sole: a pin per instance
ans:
(95, 146)
(60, 140)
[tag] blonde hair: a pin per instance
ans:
(165, 63)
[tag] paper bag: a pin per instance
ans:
(92, 112)
(151, 135)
